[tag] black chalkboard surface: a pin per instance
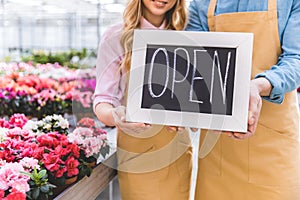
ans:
(195, 79)
(189, 78)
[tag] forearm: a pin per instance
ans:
(103, 112)
(263, 85)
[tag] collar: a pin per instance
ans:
(145, 24)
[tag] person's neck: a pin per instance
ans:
(155, 20)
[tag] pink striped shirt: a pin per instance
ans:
(111, 81)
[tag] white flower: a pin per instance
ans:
(31, 125)
(56, 117)
(40, 123)
(63, 123)
(48, 118)
(3, 135)
(47, 126)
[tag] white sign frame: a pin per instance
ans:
(243, 42)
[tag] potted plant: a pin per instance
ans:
(40, 188)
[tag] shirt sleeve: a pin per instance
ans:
(285, 75)
(108, 74)
(197, 16)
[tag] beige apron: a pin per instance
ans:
(267, 165)
(155, 165)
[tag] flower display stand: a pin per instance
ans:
(89, 188)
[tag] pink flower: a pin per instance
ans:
(21, 185)
(10, 177)
(99, 131)
(30, 163)
(103, 137)
(18, 120)
(18, 133)
(83, 131)
(75, 139)
(44, 96)
(91, 146)
(85, 98)
(89, 138)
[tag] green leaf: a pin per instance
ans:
(42, 173)
(36, 193)
(51, 185)
(45, 188)
(28, 174)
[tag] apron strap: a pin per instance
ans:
(272, 9)
(272, 5)
(211, 15)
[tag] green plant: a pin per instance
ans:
(40, 188)
(69, 58)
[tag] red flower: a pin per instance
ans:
(7, 155)
(59, 150)
(16, 195)
(52, 162)
(46, 140)
(86, 122)
(74, 148)
(18, 120)
(38, 153)
(4, 123)
(60, 172)
(2, 193)
(55, 150)
(72, 165)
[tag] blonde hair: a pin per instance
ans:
(176, 19)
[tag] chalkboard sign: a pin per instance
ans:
(194, 79)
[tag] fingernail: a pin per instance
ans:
(216, 131)
(252, 120)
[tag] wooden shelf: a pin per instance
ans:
(89, 188)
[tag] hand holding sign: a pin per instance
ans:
(258, 87)
(118, 114)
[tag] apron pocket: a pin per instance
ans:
(273, 158)
(134, 162)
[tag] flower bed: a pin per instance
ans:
(38, 156)
(45, 89)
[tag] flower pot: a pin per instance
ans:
(91, 164)
(71, 180)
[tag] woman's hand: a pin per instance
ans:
(258, 87)
(118, 114)
(179, 129)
